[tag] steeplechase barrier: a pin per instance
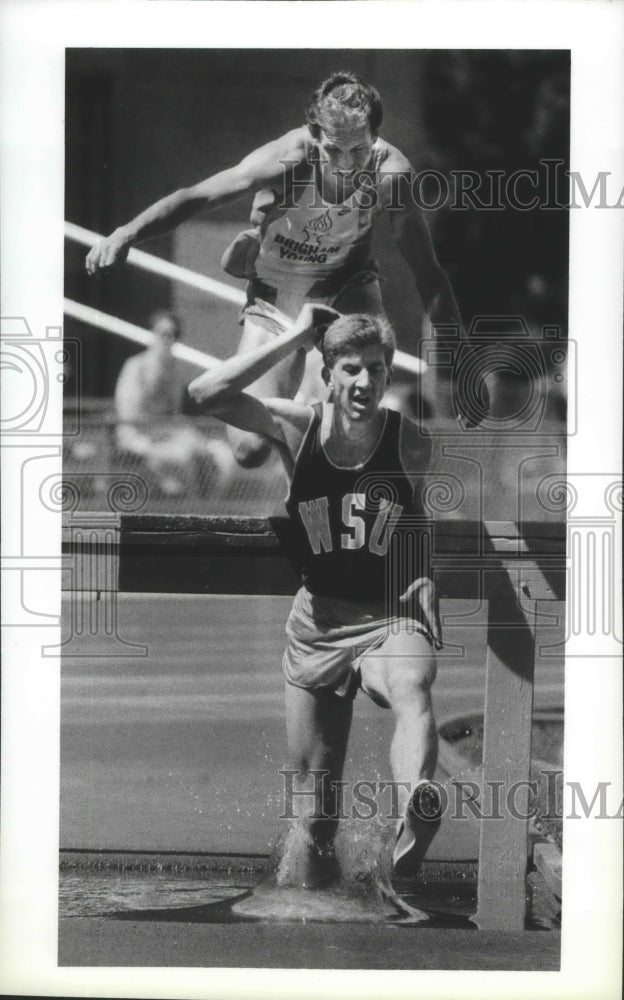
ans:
(403, 362)
(517, 570)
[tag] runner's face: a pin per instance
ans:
(344, 151)
(358, 382)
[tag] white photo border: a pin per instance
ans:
(34, 35)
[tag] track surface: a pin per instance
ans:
(93, 942)
(180, 750)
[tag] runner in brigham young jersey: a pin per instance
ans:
(319, 190)
(366, 614)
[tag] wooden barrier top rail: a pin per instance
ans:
(189, 554)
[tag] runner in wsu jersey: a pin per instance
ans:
(318, 191)
(353, 466)
(346, 516)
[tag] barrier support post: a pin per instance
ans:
(503, 842)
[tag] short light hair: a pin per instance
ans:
(346, 101)
(351, 333)
(160, 314)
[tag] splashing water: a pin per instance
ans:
(354, 886)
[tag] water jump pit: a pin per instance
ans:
(236, 889)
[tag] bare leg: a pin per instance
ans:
(318, 726)
(414, 748)
(400, 675)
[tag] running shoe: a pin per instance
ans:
(418, 827)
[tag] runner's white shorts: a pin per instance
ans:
(328, 637)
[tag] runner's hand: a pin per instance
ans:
(315, 318)
(424, 592)
(108, 253)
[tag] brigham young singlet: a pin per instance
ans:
(312, 239)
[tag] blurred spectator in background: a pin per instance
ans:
(149, 399)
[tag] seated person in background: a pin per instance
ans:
(149, 398)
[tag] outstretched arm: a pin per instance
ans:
(411, 233)
(412, 236)
(232, 376)
(414, 241)
(254, 171)
(220, 391)
(283, 429)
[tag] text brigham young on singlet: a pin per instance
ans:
(292, 250)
